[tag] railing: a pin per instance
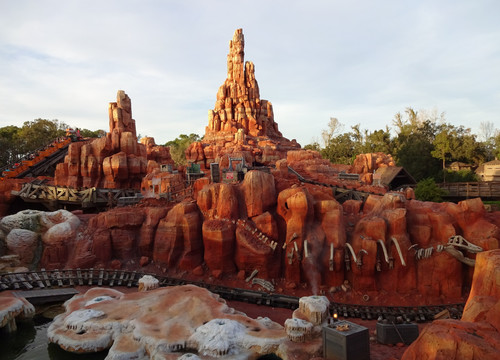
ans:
(482, 189)
(37, 156)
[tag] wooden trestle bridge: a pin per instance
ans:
(54, 197)
(69, 278)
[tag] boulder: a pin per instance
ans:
(218, 201)
(259, 192)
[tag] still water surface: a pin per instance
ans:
(30, 342)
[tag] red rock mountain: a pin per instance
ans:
(114, 161)
(241, 123)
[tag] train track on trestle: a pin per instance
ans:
(51, 279)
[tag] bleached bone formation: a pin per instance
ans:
(79, 319)
(253, 231)
(264, 283)
(314, 308)
(12, 308)
(298, 330)
(148, 282)
(453, 247)
(217, 338)
(160, 323)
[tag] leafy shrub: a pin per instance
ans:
(427, 190)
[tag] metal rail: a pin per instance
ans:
(49, 279)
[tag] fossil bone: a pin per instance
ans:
(351, 250)
(306, 252)
(361, 252)
(384, 249)
(453, 246)
(398, 248)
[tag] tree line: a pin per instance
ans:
(17, 142)
(422, 142)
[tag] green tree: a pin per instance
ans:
(443, 147)
(179, 145)
(39, 132)
(377, 141)
(9, 145)
(313, 146)
(413, 145)
(496, 142)
(341, 149)
(86, 133)
(458, 144)
(460, 176)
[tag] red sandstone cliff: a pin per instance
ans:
(477, 334)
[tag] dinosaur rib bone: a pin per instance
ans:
(361, 252)
(384, 249)
(396, 243)
(351, 250)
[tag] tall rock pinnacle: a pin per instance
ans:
(240, 123)
(238, 104)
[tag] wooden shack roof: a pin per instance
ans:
(394, 176)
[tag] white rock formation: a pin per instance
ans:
(298, 330)
(148, 282)
(160, 324)
(11, 308)
(22, 242)
(218, 337)
(315, 308)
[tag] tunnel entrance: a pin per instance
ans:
(269, 357)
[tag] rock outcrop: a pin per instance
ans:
(477, 334)
(6, 197)
(38, 238)
(114, 161)
(12, 308)
(304, 329)
(241, 123)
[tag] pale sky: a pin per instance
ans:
(359, 61)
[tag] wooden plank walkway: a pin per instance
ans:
(37, 297)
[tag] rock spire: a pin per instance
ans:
(241, 121)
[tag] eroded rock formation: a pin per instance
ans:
(477, 334)
(38, 238)
(114, 161)
(12, 308)
(241, 123)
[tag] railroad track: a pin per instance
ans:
(49, 279)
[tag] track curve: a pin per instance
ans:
(48, 279)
